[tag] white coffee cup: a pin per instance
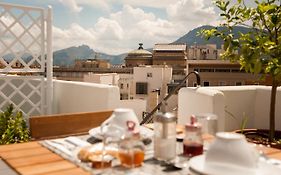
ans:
(122, 118)
(231, 150)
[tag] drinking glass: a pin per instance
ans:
(111, 135)
(209, 123)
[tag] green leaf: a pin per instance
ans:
(277, 71)
(263, 8)
(257, 67)
(244, 123)
(274, 19)
(235, 42)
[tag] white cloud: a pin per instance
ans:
(75, 35)
(72, 5)
(148, 3)
(121, 31)
(109, 29)
(189, 14)
(76, 5)
(129, 16)
(100, 4)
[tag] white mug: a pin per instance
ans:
(123, 118)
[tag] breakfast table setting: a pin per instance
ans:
(122, 146)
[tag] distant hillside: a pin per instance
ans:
(66, 57)
(192, 37)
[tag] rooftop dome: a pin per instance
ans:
(140, 52)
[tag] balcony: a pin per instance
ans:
(33, 90)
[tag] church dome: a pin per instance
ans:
(140, 52)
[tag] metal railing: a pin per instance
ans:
(149, 117)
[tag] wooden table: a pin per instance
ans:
(33, 159)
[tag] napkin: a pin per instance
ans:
(59, 147)
(76, 141)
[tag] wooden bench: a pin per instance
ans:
(54, 126)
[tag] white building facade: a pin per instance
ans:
(108, 78)
(150, 82)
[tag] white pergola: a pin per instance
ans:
(26, 58)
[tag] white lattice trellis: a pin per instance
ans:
(26, 52)
(25, 92)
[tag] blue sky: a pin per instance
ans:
(117, 26)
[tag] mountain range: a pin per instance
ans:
(66, 57)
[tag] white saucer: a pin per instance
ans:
(145, 132)
(197, 164)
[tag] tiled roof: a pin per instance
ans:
(169, 47)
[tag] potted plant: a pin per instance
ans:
(259, 50)
(13, 128)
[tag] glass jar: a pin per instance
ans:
(165, 136)
(193, 141)
(131, 151)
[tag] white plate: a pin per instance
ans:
(145, 132)
(197, 164)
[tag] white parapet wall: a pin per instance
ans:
(198, 101)
(231, 104)
(71, 97)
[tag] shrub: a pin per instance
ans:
(13, 127)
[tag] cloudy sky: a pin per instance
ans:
(117, 26)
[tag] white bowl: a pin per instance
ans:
(231, 149)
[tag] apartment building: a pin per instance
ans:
(174, 55)
(106, 78)
(219, 73)
(91, 63)
(125, 85)
(150, 83)
(204, 52)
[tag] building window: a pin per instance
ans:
(127, 85)
(206, 83)
(239, 83)
(222, 83)
(222, 70)
(141, 88)
(123, 96)
(194, 84)
(206, 70)
(121, 86)
(149, 75)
